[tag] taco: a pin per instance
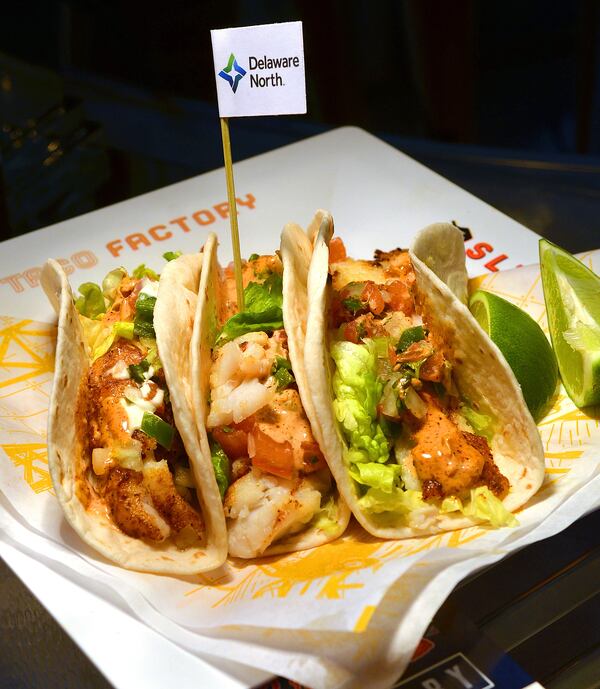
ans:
(122, 444)
(254, 412)
(422, 420)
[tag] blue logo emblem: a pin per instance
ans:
(233, 73)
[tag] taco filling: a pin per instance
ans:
(135, 466)
(272, 474)
(415, 447)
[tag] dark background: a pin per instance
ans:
(100, 101)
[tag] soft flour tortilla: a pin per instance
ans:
(479, 371)
(296, 250)
(68, 453)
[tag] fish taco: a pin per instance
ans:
(254, 412)
(423, 422)
(123, 451)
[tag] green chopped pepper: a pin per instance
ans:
(158, 429)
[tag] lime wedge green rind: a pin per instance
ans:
(572, 296)
(524, 346)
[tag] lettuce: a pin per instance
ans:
(143, 272)
(99, 336)
(111, 283)
(482, 424)
(357, 393)
(96, 300)
(380, 476)
(263, 310)
(91, 303)
(482, 504)
(401, 502)
(326, 518)
(386, 489)
(259, 297)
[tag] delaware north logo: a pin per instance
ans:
(233, 73)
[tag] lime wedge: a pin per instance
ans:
(572, 295)
(524, 346)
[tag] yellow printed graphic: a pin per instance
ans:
(21, 357)
(321, 572)
(33, 457)
(327, 572)
(566, 454)
(26, 366)
(365, 617)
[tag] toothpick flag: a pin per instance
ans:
(259, 70)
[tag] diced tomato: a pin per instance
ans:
(234, 441)
(246, 424)
(372, 295)
(400, 297)
(271, 456)
(361, 327)
(351, 332)
(337, 250)
(415, 351)
(313, 459)
(337, 312)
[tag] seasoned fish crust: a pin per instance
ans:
(121, 350)
(130, 507)
(490, 475)
(172, 506)
(449, 461)
(106, 416)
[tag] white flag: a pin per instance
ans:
(260, 70)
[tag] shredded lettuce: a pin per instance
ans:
(266, 295)
(99, 336)
(482, 424)
(326, 519)
(482, 504)
(381, 347)
(263, 310)
(357, 393)
(143, 272)
(383, 477)
(111, 283)
(401, 502)
(91, 303)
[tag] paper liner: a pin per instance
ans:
(327, 617)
